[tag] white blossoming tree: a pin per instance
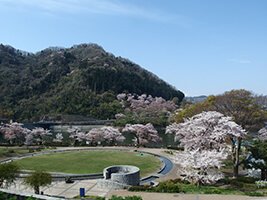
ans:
(143, 134)
(106, 134)
(210, 131)
(200, 167)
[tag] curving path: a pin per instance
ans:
(167, 167)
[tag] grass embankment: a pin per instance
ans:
(6, 152)
(84, 162)
(13, 151)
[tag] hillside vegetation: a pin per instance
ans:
(81, 80)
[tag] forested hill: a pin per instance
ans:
(83, 79)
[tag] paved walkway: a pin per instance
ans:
(178, 196)
(62, 189)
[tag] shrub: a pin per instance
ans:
(213, 191)
(126, 198)
(11, 151)
(145, 188)
(168, 186)
(31, 150)
(31, 198)
(245, 179)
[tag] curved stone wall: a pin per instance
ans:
(123, 174)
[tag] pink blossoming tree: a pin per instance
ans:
(143, 134)
(14, 133)
(106, 134)
(144, 109)
(38, 136)
(76, 135)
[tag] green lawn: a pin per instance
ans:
(84, 162)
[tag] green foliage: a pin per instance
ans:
(38, 179)
(3, 195)
(242, 106)
(6, 196)
(190, 110)
(254, 194)
(8, 172)
(82, 80)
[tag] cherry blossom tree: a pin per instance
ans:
(210, 131)
(37, 135)
(76, 134)
(106, 134)
(135, 102)
(144, 109)
(14, 132)
(143, 133)
(200, 167)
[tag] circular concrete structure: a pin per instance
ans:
(122, 174)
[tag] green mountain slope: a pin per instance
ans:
(83, 79)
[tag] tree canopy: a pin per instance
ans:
(38, 179)
(241, 105)
(8, 173)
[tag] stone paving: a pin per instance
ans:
(67, 190)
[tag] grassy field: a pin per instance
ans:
(84, 162)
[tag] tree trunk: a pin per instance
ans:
(137, 142)
(263, 174)
(235, 155)
(36, 190)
